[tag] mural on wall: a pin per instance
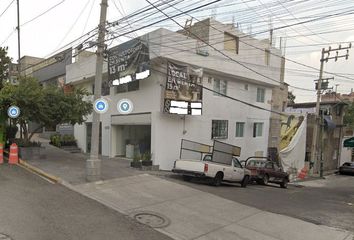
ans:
(289, 126)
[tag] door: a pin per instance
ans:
(238, 171)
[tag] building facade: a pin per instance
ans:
(330, 134)
(235, 100)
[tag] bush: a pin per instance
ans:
(23, 143)
(136, 157)
(55, 140)
(65, 140)
(11, 131)
(147, 156)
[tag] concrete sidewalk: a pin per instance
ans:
(71, 167)
(193, 214)
(183, 212)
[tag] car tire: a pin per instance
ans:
(245, 181)
(187, 178)
(284, 183)
(217, 179)
(265, 179)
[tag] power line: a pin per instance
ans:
(7, 38)
(88, 16)
(243, 65)
(73, 25)
(229, 97)
(46, 11)
(8, 6)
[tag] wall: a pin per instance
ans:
(346, 153)
(168, 130)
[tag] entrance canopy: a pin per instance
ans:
(349, 142)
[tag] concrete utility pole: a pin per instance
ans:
(18, 38)
(314, 151)
(93, 164)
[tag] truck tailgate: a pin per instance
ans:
(190, 165)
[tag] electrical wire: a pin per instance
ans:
(43, 13)
(8, 6)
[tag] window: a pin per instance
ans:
(269, 165)
(257, 129)
(240, 126)
(219, 129)
(267, 57)
(260, 94)
(246, 87)
(237, 163)
(231, 43)
(128, 87)
(220, 86)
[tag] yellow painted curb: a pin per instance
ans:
(38, 171)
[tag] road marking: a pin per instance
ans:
(37, 174)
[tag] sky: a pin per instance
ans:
(305, 26)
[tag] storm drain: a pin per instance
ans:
(4, 237)
(152, 219)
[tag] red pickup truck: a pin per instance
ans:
(265, 171)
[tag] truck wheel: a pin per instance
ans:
(217, 179)
(284, 183)
(245, 181)
(187, 178)
(265, 179)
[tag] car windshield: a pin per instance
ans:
(256, 163)
(207, 158)
(348, 164)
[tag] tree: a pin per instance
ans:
(349, 115)
(291, 97)
(5, 62)
(47, 106)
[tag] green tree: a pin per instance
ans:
(349, 115)
(47, 106)
(291, 97)
(5, 62)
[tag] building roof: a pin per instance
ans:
(313, 104)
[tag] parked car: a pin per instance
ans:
(265, 171)
(347, 168)
(216, 172)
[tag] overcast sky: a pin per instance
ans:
(309, 29)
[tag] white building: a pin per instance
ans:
(161, 133)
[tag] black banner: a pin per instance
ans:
(129, 58)
(179, 85)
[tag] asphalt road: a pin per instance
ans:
(327, 202)
(33, 209)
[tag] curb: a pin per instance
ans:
(39, 171)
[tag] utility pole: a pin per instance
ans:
(314, 151)
(18, 38)
(93, 164)
(18, 50)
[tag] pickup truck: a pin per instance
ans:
(216, 172)
(265, 171)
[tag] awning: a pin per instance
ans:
(349, 142)
(328, 121)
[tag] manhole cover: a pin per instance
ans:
(151, 219)
(4, 237)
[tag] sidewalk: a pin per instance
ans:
(174, 209)
(72, 167)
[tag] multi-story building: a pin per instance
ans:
(48, 71)
(238, 75)
(330, 133)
